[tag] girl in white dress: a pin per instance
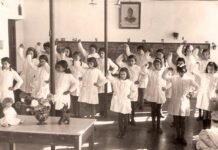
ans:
(112, 68)
(207, 92)
(77, 68)
(123, 92)
(28, 71)
(65, 84)
(7, 76)
(134, 71)
(179, 107)
(92, 80)
(155, 93)
(10, 115)
(64, 53)
(40, 83)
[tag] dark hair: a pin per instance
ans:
(46, 44)
(170, 69)
(93, 60)
(180, 59)
(186, 48)
(132, 57)
(75, 54)
(160, 51)
(158, 60)
(212, 64)
(124, 70)
(70, 55)
(6, 59)
(33, 50)
(44, 57)
(102, 49)
(205, 50)
(181, 69)
(94, 46)
(140, 47)
(64, 65)
(6, 101)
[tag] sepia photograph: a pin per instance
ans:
(108, 75)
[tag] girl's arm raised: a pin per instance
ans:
(113, 66)
(20, 51)
(179, 51)
(170, 61)
(82, 50)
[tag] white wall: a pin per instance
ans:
(4, 36)
(197, 21)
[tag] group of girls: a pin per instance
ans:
(139, 77)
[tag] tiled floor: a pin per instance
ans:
(137, 137)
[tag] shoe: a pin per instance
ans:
(132, 123)
(183, 141)
(159, 131)
(161, 115)
(151, 130)
(176, 141)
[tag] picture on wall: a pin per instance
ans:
(130, 15)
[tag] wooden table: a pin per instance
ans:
(78, 132)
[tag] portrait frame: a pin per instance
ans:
(130, 15)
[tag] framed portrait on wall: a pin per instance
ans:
(130, 15)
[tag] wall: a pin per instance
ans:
(4, 36)
(197, 21)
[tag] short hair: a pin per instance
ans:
(158, 60)
(160, 51)
(31, 49)
(64, 65)
(44, 57)
(181, 69)
(70, 55)
(187, 47)
(5, 59)
(76, 53)
(170, 69)
(132, 57)
(205, 50)
(46, 44)
(102, 49)
(94, 46)
(140, 47)
(6, 101)
(180, 59)
(93, 60)
(124, 69)
(212, 64)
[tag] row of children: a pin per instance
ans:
(139, 76)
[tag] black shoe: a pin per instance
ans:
(159, 131)
(176, 141)
(183, 141)
(151, 130)
(132, 123)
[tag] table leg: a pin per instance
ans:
(91, 142)
(12, 146)
(52, 147)
(78, 143)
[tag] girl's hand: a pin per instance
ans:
(216, 91)
(164, 89)
(129, 96)
(47, 81)
(96, 84)
(66, 92)
(11, 89)
(21, 45)
(80, 78)
(136, 82)
(38, 43)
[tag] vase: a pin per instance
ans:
(42, 115)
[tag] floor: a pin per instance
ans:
(137, 137)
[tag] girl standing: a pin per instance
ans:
(40, 83)
(155, 93)
(92, 80)
(65, 84)
(207, 92)
(77, 69)
(30, 61)
(134, 71)
(121, 101)
(111, 67)
(179, 107)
